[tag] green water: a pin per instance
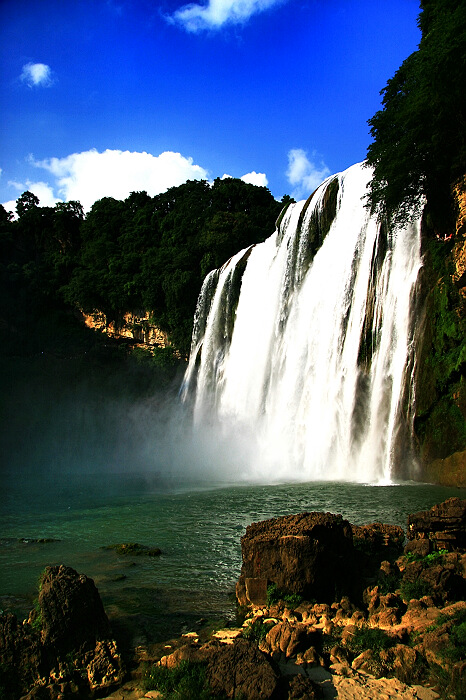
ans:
(197, 529)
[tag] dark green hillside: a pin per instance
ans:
(143, 253)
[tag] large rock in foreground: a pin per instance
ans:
(310, 554)
(65, 648)
(72, 614)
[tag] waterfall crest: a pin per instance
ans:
(303, 345)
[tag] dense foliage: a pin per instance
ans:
(143, 253)
(419, 145)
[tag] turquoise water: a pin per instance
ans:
(198, 530)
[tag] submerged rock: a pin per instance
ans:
(135, 549)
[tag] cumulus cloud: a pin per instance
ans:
(217, 13)
(37, 75)
(252, 178)
(91, 175)
(303, 174)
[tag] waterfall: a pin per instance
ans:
(303, 345)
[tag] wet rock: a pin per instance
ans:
(134, 549)
(364, 661)
(385, 610)
(193, 652)
(378, 539)
(406, 663)
(419, 547)
(310, 554)
(66, 651)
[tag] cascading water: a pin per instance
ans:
(303, 345)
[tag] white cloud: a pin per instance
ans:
(304, 175)
(37, 74)
(42, 190)
(10, 206)
(196, 18)
(91, 175)
(252, 178)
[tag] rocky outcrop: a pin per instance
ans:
(396, 642)
(444, 525)
(65, 647)
(71, 613)
(450, 471)
(310, 554)
(136, 327)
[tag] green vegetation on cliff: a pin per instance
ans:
(419, 145)
(143, 253)
(418, 156)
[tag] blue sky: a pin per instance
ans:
(103, 97)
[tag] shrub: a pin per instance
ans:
(456, 648)
(187, 681)
(274, 595)
(429, 559)
(257, 631)
(369, 638)
(414, 589)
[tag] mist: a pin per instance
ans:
(59, 425)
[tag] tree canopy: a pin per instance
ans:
(143, 253)
(419, 145)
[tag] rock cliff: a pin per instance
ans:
(440, 403)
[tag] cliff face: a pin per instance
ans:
(136, 327)
(439, 423)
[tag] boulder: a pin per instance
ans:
(310, 554)
(444, 525)
(71, 611)
(290, 639)
(64, 650)
(241, 670)
(378, 539)
(104, 669)
(301, 687)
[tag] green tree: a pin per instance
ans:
(419, 145)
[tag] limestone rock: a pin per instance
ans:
(71, 610)
(240, 669)
(310, 554)
(22, 660)
(104, 669)
(290, 639)
(301, 687)
(444, 525)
